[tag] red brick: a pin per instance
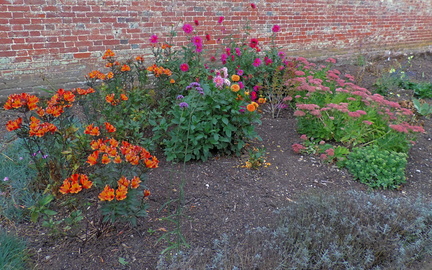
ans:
(82, 55)
(7, 53)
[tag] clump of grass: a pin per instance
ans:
(343, 230)
(12, 252)
(17, 174)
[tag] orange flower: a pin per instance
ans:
(146, 193)
(121, 193)
(96, 144)
(235, 78)
(235, 87)
(123, 181)
(55, 111)
(108, 53)
(125, 68)
(92, 130)
(165, 46)
(113, 142)
(251, 107)
(14, 124)
(123, 97)
(152, 163)
(172, 81)
(92, 158)
(69, 96)
(109, 127)
(117, 159)
(135, 182)
(110, 99)
(85, 182)
(110, 75)
(105, 159)
(75, 188)
(66, 187)
(262, 100)
(139, 58)
(107, 194)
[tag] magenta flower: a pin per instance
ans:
(197, 40)
(257, 62)
(208, 37)
(196, 22)
(238, 51)
(223, 58)
(253, 43)
(276, 28)
(240, 72)
(253, 5)
(184, 67)
(221, 19)
(154, 39)
(187, 28)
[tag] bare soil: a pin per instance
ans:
(221, 196)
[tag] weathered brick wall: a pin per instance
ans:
(54, 43)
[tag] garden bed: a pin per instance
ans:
(222, 197)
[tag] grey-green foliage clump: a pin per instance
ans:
(17, 174)
(13, 252)
(324, 230)
(377, 168)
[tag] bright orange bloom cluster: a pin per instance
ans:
(16, 101)
(40, 129)
(14, 124)
(158, 71)
(113, 101)
(165, 46)
(125, 68)
(75, 183)
(108, 194)
(110, 150)
(60, 100)
(92, 130)
(96, 74)
(109, 127)
(84, 92)
(108, 54)
(262, 100)
(139, 58)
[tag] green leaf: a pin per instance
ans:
(122, 261)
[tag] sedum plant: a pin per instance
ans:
(377, 168)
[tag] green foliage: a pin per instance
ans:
(256, 158)
(41, 208)
(13, 254)
(213, 121)
(423, 108)
(376, 167)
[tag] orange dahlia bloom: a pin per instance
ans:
(235, 78)
(262, 100)
(125, 68)
(251, 107)
(107, 194)
(235, 87)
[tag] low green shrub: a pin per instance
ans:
(377, 168)
(13, 252)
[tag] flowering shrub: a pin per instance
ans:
(329, 107)
(209, 117)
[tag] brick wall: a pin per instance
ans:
(54, 43)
